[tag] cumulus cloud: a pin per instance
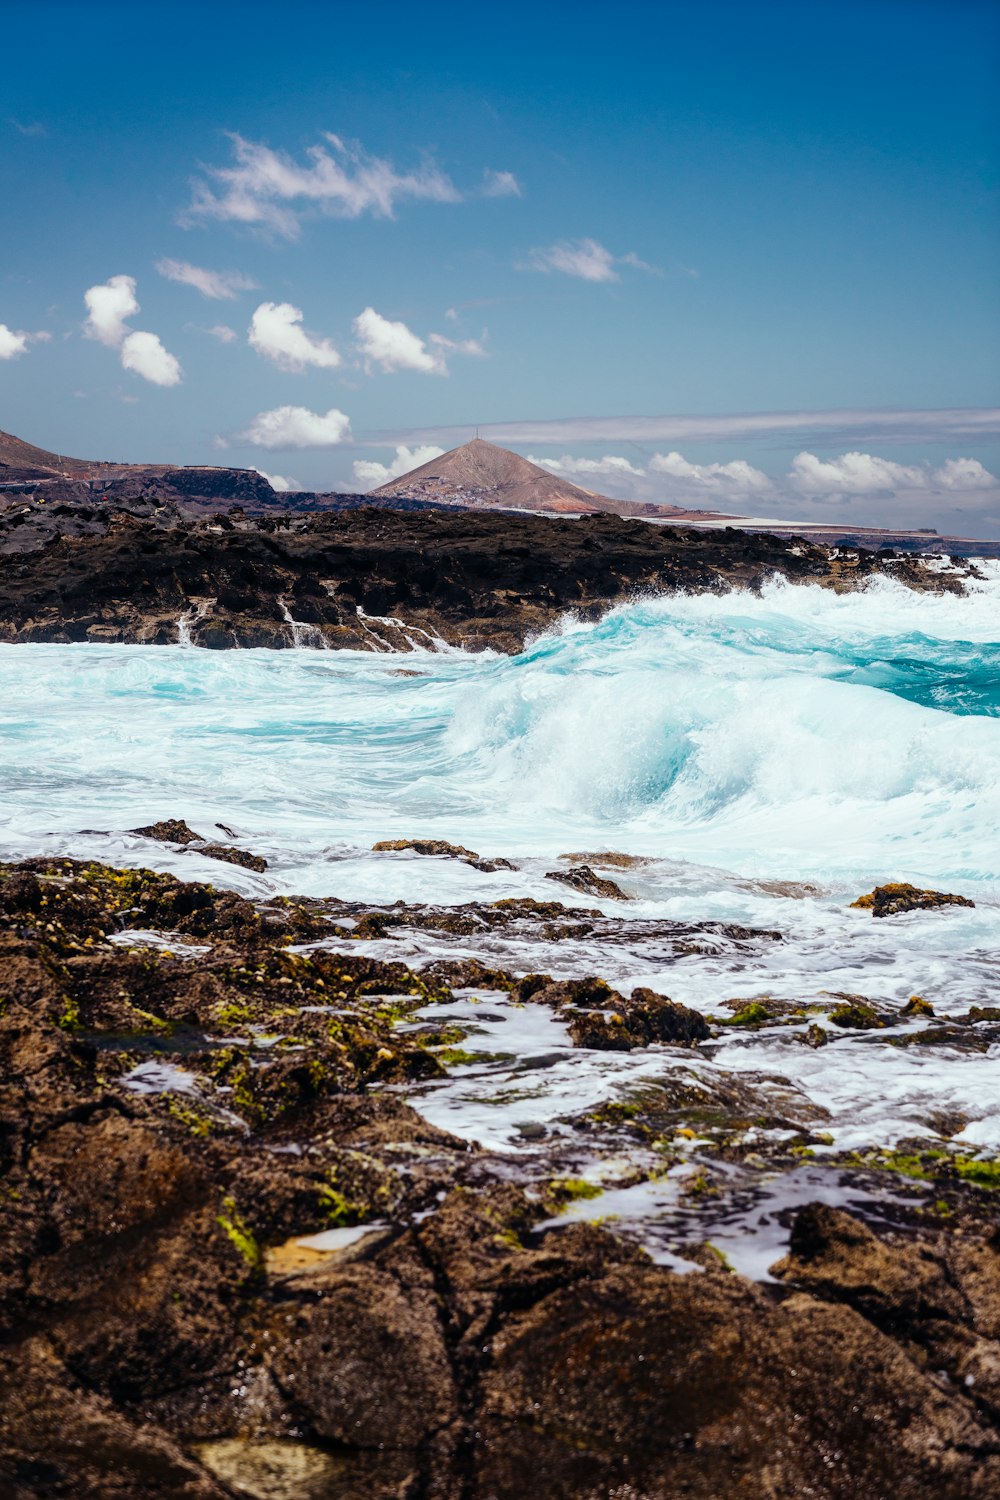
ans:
(388, 346)
(586, 258)
(108, 305)
(269, 190)
(297, 427)
(369, 474)
(611, 465)
(867, 474)
(221, 285)
(223, 333)
(12, 344)
(737, 477)
(964, 474)
(500, 185)
(144, 355)
(275, 332)
(282, 484)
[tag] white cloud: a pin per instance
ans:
(297, 427)
(275, 333)
(500, 185)
(270, 190)
(144, 355)
(282, 484)
(370, 474)
(735, 478)
(108, 305)
(964, 474)
(223, 333)
(846, 425)
(610, 465)
(12, 344)
(222, 285)
(867, 474)
(586, 258)
(392, 346)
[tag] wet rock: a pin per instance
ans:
(583, 878)
(856, 1014)
(833, 1254)
(439, 847)
(176, 831)
(608, 859)
(58, 1439)
(643, 1382)
(169, 831)
(367, 1365)
(600, 1017)
(890, 900)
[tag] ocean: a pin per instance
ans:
(766, 758)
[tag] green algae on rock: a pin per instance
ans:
(890, 900)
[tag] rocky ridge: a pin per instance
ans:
(374, 579)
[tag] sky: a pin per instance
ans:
(737, 256)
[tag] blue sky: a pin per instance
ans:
(550, 220)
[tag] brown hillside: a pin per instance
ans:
(480, 473)
(15, 453)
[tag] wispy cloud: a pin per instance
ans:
(843, 425)
(276, 332)
(221, 285)
(296, 427)
(29, 127)
(108, 306)
(588, 259)
(268, 189)
(500, 185)
(369, 474)
(223, 333)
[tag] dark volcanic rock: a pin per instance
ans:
(583, 878)
(83, 570)
(602, 1018)
(889, 900)
(170, 1128)
(176, 831)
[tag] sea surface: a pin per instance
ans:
(771, 756)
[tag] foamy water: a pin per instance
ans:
(738, 741)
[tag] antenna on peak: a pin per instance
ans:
(477, 432)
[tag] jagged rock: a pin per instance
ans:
(176, 831)
(832, 1253)
(602, 1018)
(890, 900)
(426, 846)
(583, 878)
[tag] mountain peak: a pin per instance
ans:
(482, 473)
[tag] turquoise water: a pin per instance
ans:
(798, 734)
(771, 756)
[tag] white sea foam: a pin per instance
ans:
(735, 739)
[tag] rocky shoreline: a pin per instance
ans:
(237, 1261)
(144, 571)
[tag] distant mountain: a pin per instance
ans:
(480, 473)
